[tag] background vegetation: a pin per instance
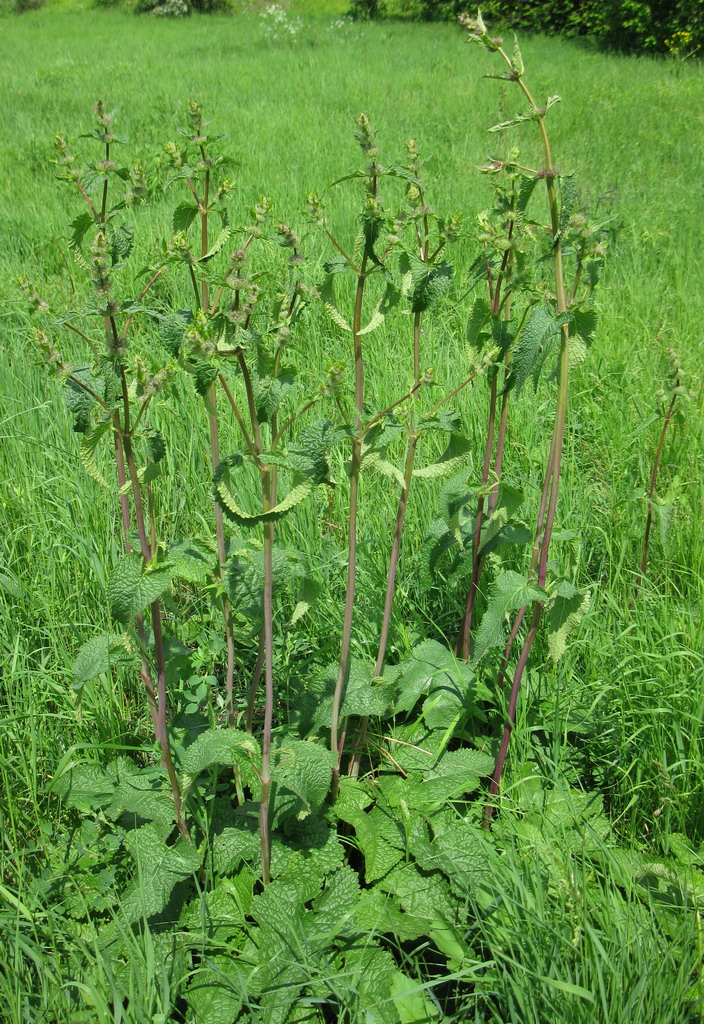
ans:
(586, 935)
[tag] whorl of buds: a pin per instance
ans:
(197, 337)
(224, 190)
(194, 113)
(179, 249)
(36, 302)
(103, 119)
(50, 354)
(677, 375)
(334, 376)
(138, 191)
(413, 158)
(315, 209)
(478, 33)
(365, 136)
(290, 239)
(160, 380)
(173, 154)
(450, 228)
(99, 266)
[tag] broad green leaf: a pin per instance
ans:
(537, 339)
(479, 317)
(222, 484)
(453, 459)
(564, 614)
(304, 768)
(217, 990)
(132, 588)
(190, 560)
(88, 447)
(100, 654)
(509, 592)
(381, 839)
(184, 215)
(411, 1001)
(158, 868)
(228, 747)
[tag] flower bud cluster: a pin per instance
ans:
(179, 249)
(194, 114)
(198, 339)
(315, 209)
(36, 302)
(160, 380)
(99, 266)
(174, 154)
(366, 136)
(478, 33)
(138, 191)
(290, 239)
(50, 354)
(238, 315)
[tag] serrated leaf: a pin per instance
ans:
(564, 614)
(584, 323)
(88, 447)
(156, 446)
(222, 747)
(327, 294)
(158, 868)
(79, 227)
(184, 215)
(568, 199)
(518, 119)
(100, 654)
(304, 769)
(508, 502)
(217, 245)
(132, 587)
(222, 487)
(509, 592)
(538, 337)
(217, 990)
(453, 459)
(190, 560)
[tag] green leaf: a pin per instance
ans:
(429, 281)
(508, 502)
(190, 560)
(79, 227)
(217, 990)
(453, 458)
(479, 317)
(380, 837)
(304, 768)
(132, 587)
(88, 447)
(411, 1001)
(564, 614)
(228, 747)
(217, 245)
(158, 868)
(536, 341)
(509, 592)
(184, 215)
(100, 654)
(222, 481)
(327, 294)
(156, 446)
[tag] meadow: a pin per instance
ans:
(584, 902)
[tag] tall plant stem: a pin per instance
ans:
(222, 556)
(552, 475)
(269, 681)
(145, 670)
(355, 467)
(155, 611)
(651, 494)
(355, 759)
(463, 641)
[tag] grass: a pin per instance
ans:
(624, 711)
